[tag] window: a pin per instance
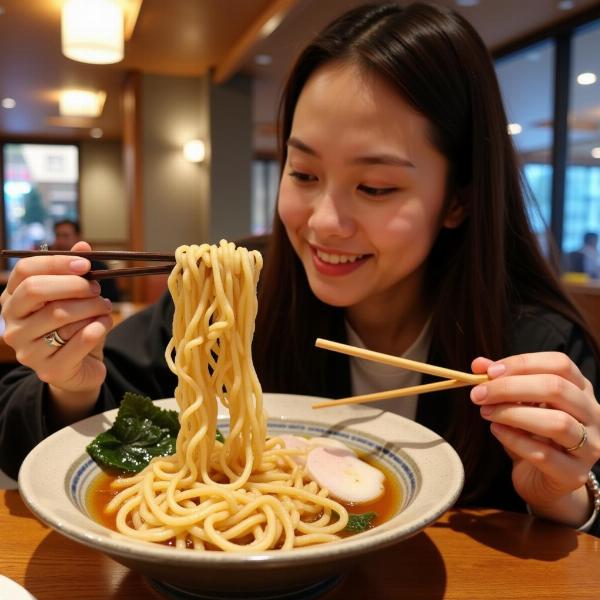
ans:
(530, 115)
(265, 186)
(582, 187)
(40, 187)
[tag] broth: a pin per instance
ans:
(386, 506)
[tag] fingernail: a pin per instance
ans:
(79, 265)
(107, 302)
(486, 411)
(478, 393)
(496, 369)
(94, 287)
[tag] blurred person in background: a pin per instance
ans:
(586, 259)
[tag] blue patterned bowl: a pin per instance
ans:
(56, 475)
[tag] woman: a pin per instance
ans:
(401, 226)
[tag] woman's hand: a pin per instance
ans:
(46, 293)
(541, 409)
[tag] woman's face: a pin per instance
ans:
(363, 188)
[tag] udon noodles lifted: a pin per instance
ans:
(247, 494)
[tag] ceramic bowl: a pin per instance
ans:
(56, 475)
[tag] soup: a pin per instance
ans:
(100, 493)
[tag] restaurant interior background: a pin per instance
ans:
(210, 71)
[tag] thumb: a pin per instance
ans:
(81, 247)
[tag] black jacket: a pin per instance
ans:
(134, 356)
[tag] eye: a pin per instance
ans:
(302, 177)
(374, 191)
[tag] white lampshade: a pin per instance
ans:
(92, 31)
(194, 151)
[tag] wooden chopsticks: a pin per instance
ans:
(106, 255)
(452, 378)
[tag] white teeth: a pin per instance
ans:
(335, 259)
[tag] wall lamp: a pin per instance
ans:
(194, 151)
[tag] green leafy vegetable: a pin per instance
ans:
(362, 522)
(140, 432)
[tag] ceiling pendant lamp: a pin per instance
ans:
(92, 31)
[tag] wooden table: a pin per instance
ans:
(120, 311)
(467, 555)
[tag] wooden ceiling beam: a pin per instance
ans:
(268, 20)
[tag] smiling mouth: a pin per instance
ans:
(337, 259)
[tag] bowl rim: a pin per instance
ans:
(116, 544)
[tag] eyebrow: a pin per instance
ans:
(373, 159)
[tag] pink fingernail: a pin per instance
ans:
(479, 393)
(79, 265)
(496, 369)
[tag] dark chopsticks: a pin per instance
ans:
(99, 255)
(128, 272)
(106, 255)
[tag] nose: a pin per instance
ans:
(332, 216)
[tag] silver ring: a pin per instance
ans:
(53, 339)
(582, 440)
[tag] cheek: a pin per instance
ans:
(292, 211)
(412, 230)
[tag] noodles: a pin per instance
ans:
(248, 494)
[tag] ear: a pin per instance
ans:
(455, 213)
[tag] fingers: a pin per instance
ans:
(546, 378)
(551, 363)
(81, 246)
(46, 293)
(36, 291)
(57, 315)
(480, 365)
(37, 352)
(542, 395)
(549, 390)
(45, 265)
(66, 368)
(19, 332)
(553, 462)
(558, 426)
(68, 331)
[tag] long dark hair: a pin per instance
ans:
(488, 266)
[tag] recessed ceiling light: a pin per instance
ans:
(263, 59)
(514, 129)
(96, 133)
(467, 2)
(566, 4)
(8, 103)
(596, 152)
(81, 103)
(2, 11)
(586, 78)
